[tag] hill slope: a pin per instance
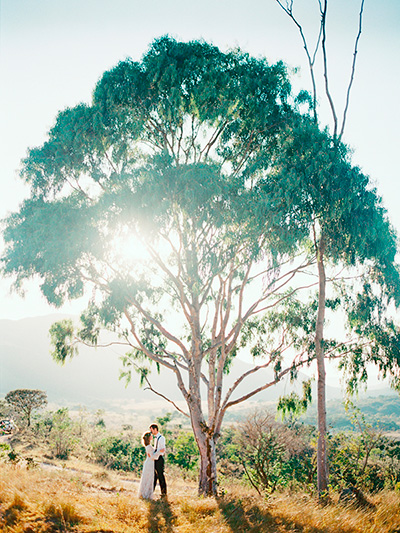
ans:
(92, 378)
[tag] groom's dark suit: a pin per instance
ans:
(159, 465)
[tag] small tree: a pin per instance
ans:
(24, 401)
(321, 236)
(273, 454)
(61, 437)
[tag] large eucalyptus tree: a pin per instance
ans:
(166, 159)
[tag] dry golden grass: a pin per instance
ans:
(45, 501)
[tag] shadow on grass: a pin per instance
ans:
(161, 517)
(102, 531)
(241, 515)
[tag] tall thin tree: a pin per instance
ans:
(319, 237)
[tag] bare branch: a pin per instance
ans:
(328, 354)
(159, 326)
(78, 188)
(160, 130)
(311, 60)
(110, 163)
(214, 137)
(143, 348)
(285, 297)
(245, 397)
(244, 376)
(269, 291)
(175, 279)
(323, 11)
(164, 397)
(90, 345)
(353, 69)
(150, 387)
(157, 359)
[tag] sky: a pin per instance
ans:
(53, 52)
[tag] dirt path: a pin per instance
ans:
(115, 485)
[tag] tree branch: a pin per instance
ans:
(323, 12)
(311, 61)
(353, 68)
(227, 405)
(150, 387)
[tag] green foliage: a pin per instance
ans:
(92, 179)
(368, 319)
(184, 452)
(162, 422)
(315, 178)
(100, 423)
(63, 339)
(367, 460)
(119, 453)
(13, 457)
(269, 454)
(293, 404)
(4, 450)
(323, 191)
(58, 431)
(228, 454)
(90, 328)
(290, 323)
(61, 436)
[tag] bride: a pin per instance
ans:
(146, 487)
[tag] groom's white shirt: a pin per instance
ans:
(160, 445)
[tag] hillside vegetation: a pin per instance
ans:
(76, 475)
(35, 500)
(382, 411)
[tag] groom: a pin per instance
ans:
(159, 451)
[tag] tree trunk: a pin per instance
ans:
(208, 468)
(208, 460)
(322, 464)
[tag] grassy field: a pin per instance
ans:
(93, 500)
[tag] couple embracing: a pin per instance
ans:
(153, 468)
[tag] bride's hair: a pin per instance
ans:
(146, 438)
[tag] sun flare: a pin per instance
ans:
(129, 249)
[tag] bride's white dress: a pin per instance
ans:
(146, 487)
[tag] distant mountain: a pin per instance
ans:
(92, 377)
(25, 362)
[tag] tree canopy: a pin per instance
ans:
(189, 179)
(24, 401)
(167, 158)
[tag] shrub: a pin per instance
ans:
(267, 453)
(119, 453)
(12, 512)
(184, 452)
(4, 450)
(367, 460)
(61, 437)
